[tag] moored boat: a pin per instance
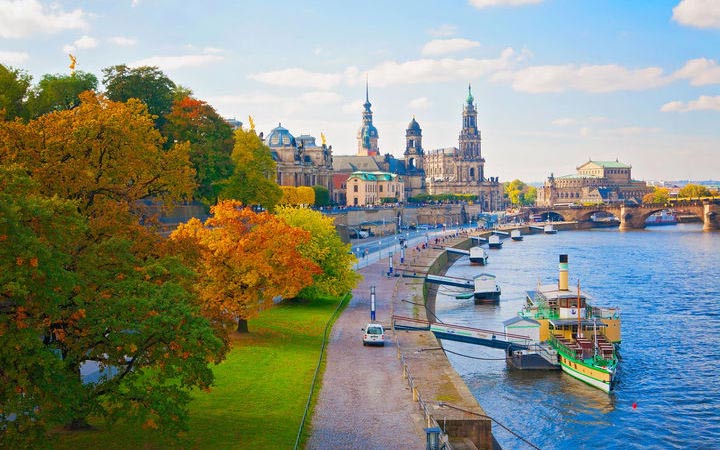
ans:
(516, 235)
(478, 255)
(585, 337)
(549, 229)
(664, 217)
(486, 288)
(494, 241)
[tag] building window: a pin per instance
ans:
(355, 188)
(381, 188)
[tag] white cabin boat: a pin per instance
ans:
(494, 241)
(478, 255)
(486, 288)
(516, 235)
(549, 229)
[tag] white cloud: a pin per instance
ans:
(354, 107)
(320, 98)
(480, 4)
(123, 41)
(21, 18)
(584, 131)
(256, 98)
(705, 102)
(296, 77)
(214, 50)
(419, 103)
(443, 46)
(444, 30)
(700, 72)
(86, 42)
(698, 13)
(13, 58)
(634, 130)
(563, 122)
(177, 62)
(67, 48)
(438, 70)
(595, 79)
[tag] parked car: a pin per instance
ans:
(374, 334)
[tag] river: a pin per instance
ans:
(666, 280)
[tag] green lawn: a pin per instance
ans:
(260, 390)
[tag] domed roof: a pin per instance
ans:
(413, 125)
(370, 130)
(280, 137)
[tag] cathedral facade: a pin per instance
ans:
(452, 170)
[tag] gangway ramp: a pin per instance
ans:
(480, 239)
(501, 233)
(495, 339)
(450, 281)
(533, 227)
(457, 251)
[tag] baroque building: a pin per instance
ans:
(367, 135)
(300, 161)
(370, 188)
(595, 182)
(461, 170)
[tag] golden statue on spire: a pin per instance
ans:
(73, 61)
(322, 137)
(252, 123)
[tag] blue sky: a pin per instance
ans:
(556, 81)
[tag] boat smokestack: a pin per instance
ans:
(563, 280)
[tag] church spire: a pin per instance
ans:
(367, 104)
(470, 98)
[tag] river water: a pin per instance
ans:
(666, 280)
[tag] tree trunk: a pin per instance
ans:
(242, 326)
(78, 423)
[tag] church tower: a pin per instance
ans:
(413, 147)
(470, 161)
(367, 135)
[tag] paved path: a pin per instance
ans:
(364, 402)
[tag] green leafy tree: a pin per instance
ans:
(14, 86)
(519, 193)
(124, 301)
(253, 181)
(147, 84)
(322, 195)
(693, 191)
(325, 249)
(659, 195)
(211, 143)
(60, 92)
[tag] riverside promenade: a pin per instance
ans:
(384, 397)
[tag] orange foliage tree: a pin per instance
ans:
(245, 261)
(99, 152)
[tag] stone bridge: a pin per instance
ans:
(633, 216)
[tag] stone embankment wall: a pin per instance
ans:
(441, 392)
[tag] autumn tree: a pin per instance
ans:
(693, 191)
(123, 302)
(659, 195)
(211, 143)
(253, 180)
(14, 87)
(147, 84)
(326, 249)
(60, 92)
(519, 193)
(99, 153)
(245, 261)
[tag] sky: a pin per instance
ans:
(556, 82)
